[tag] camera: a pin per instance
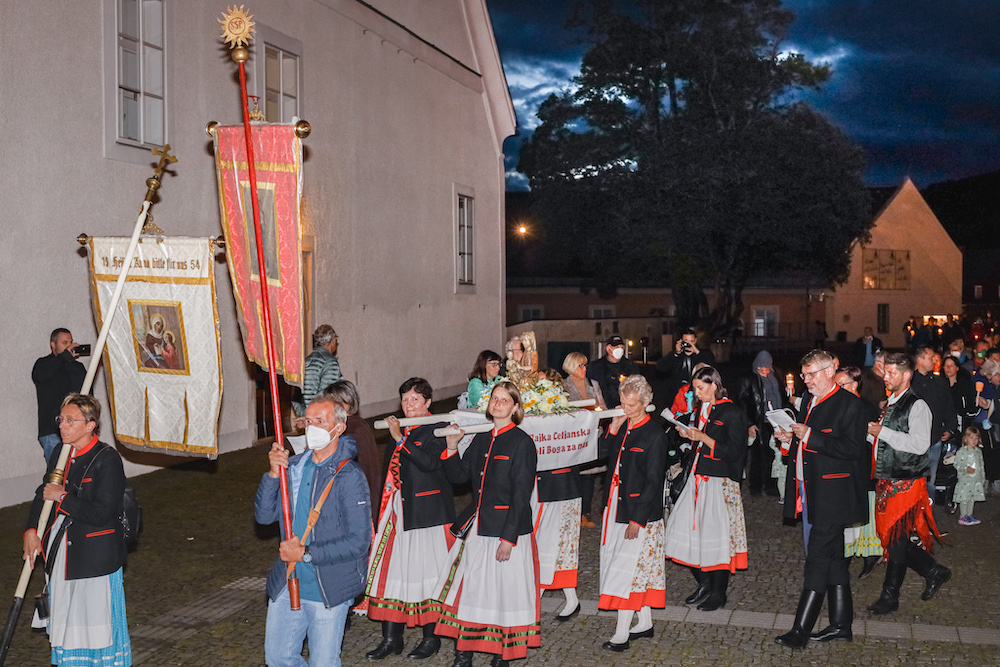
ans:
(82, 350)
(685, 345)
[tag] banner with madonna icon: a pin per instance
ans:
(278, 169)
(162, 356)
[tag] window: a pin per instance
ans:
(882, 318)
(885, 269)
(281, 85)
(275, 73)
(141, 89)
(977, 292)
(465, 215)
(137, 78)
(606, 312)
(765, 321)
(528, 313)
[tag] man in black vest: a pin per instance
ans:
(830, 460)
(611, 369)
(902, 438)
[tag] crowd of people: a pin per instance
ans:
(859, 453)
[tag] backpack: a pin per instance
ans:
(131, 515)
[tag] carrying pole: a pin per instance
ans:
(236, 29)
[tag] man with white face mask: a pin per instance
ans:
(611, 369)
(331, 565)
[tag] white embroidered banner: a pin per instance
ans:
(162, 354)
(561, 440)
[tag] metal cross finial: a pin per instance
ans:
(153, 182)
(165, 157)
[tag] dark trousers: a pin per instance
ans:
(587, 492)
(825, 561)
(759, 459)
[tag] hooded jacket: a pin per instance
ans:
(343, 533)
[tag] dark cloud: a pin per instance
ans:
(917, 84)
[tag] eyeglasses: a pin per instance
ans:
(806, 376)
(68, 421)
(493, 363)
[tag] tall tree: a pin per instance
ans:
(680, 158)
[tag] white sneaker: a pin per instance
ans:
(972, 521)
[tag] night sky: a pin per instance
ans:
(916, 83)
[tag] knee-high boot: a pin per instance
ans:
(805, 618)
(718, 581)
(841, 608)
(924, 564)
(888, 602)
(392, 641)
(703, 589)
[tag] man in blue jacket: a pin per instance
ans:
(332, 564)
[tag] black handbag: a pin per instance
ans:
(677, 483)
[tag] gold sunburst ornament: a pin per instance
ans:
(237, 26)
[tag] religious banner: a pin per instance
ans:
(561, 440)
(278, 164)
(162, 356)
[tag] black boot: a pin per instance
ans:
(805, 618)
(888, 602)
(870, 563)
(718, 580)
(428, 646)
(841, 615)
(392, 641)
(497, 661)
(462, 659)
(703, 589)
(928, 568)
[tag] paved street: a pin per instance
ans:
(194, 591)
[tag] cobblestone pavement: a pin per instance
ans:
(194, 592)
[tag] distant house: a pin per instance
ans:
(909, 267)
(403, 181)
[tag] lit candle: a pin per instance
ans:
(790, 383)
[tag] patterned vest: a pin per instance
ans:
(891, 463)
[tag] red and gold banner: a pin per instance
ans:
(278, 162)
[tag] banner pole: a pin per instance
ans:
(58, 473)
(241, 55)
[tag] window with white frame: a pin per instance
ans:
(765, 321)
(602, 312)
(281, 84)
(465, 224)
(531, 312)
(275, 73)
(141, 81)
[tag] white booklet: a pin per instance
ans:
(782, 419)
(669, 416)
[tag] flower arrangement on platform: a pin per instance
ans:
(541, 397)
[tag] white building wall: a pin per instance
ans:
(396, 124)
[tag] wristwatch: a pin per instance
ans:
(306, 556)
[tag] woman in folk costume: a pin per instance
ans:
(489, 587)
(411, 544)
(706, 530)
(557, 533)
(85, 549)
(632, 576)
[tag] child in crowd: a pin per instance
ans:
(968, 462)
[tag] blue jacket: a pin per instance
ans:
(343, 533)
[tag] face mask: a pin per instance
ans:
(617, 353)
(316, 437)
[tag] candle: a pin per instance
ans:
(979, 387)
(790, 383)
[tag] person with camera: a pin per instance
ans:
(679, 366)
(56, 376)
